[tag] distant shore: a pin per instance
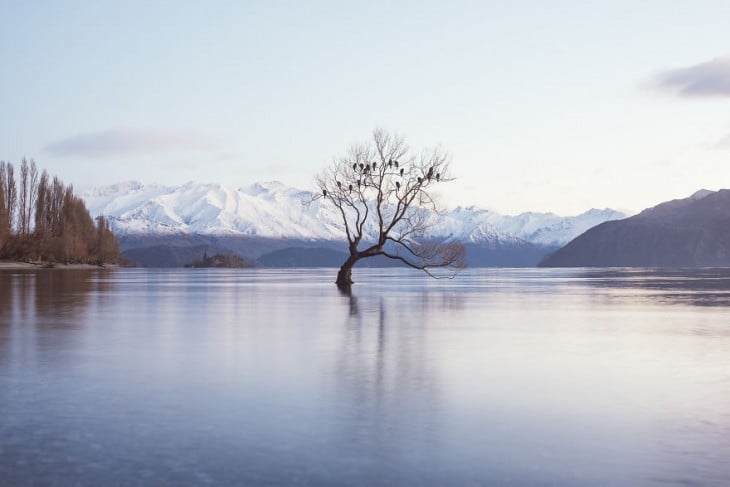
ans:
(8, 264)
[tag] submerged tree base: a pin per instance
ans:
(345, 289)
(344, 276)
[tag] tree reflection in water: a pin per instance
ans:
(386, 371)
(39, 309)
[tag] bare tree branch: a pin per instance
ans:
(381, 191)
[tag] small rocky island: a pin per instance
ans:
(228, 261)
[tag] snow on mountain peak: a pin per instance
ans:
(273, 209)
(698, 195)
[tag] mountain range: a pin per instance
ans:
(278, 225)
(688, 232)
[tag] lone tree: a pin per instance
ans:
(381, 189)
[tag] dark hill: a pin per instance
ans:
(318, 257)
(302, 257)
(176, 250)
(518, 254)
(164, 255)
(690, 232)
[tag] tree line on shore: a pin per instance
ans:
(41, 220)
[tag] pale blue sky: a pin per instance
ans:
(546, 106)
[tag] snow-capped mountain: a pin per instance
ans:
(274, 210)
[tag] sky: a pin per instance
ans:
(553, 106)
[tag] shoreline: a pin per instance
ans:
(15, 265)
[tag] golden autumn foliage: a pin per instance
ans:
(62, 229)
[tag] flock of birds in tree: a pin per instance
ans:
(366, 168)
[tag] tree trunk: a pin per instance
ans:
(344, 276)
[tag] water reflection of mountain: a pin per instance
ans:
(698, 287)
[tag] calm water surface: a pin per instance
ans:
(230, 377)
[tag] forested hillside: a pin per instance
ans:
(42, 220)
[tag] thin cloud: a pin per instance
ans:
(228, 156)
(126, 142)
(708, 79)
(721, 143)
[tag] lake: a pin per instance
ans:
(270, 377)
